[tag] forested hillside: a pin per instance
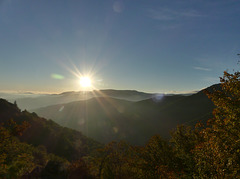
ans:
(34, 146)
(105, 119)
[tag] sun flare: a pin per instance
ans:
(85, 82)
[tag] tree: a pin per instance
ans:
(158, 159)
(116, 160)
(219, 154)
(15, 157)
(79, 170)
(184, 139)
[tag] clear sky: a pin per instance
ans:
(145, 45)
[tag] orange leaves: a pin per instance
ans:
(219, 154)
(15, 129)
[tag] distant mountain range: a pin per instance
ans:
(127, 115)
(36, 101)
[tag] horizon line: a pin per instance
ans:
(32, 92)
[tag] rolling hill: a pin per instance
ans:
(106, 119)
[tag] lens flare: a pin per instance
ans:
(57, 76)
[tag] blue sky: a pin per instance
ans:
(146, 45)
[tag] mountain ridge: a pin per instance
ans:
(132, 121)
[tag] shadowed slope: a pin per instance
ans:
(61, 141)
(106, 119)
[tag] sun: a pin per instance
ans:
(85, 82)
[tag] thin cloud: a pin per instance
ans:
(203, 69)
(162, 14)
(165, 14)
(168, 26)
(191, 13)
(182, 92)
